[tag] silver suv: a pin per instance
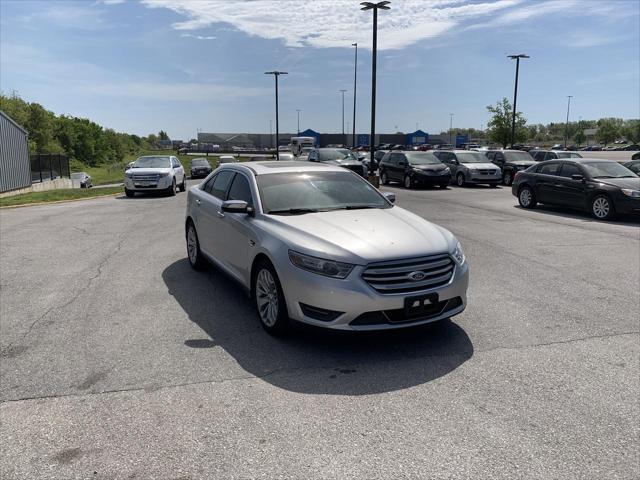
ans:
(155, 173)
(470, 167)
(318, 244)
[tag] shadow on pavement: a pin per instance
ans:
(558, 211)
(312, 360)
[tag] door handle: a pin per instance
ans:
(220, 214)
(198, 201)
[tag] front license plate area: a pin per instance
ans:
(420, 305)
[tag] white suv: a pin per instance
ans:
(154, 173)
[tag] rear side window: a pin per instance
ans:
(550, 156)
(569, 169)
(491, 155)
(240, 190)
(549, 169)
(220, 184)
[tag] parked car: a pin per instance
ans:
(82, 178)
(591, 148)
(510, 162)
(293, 232)
(425, 147)
(557, 146)
(470, 167)
(413, 169)
(635, 156)
(200, 168)
(128, 166)
(155, 173)
(631, 148)
(601, 187)
(286, 156)
(227, 159)
(340, 157)
(542, 155)
(634, 166)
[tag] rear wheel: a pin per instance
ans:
(269, 299)
(196, 260)
(129, 193)
(384, 178)
(602, 207)
(527, 198)
(460, 180)
(407, 181)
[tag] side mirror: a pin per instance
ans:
(390, 196)
(236, 206)
(577, 177)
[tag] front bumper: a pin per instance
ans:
(627, 205)
(161, 184)
(480, 178)
(359, 306)
(430, 179)
(199, 173)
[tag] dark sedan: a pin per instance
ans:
(200, 168)
(511, 162)
(601, 187)
(340, 157)
(413, 169)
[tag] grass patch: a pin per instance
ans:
(57, 195)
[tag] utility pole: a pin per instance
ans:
(344, 138)
(566, 125)
(298, 121)
(451, 129)
(276, 74)
(355, 89)
(515, 95)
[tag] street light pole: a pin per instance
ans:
(298, 121)
(515, 95)
(566, 125)
(276, 74)
(271, 133)
(355, 89)
(343, 135)
(374, 6)
(451, 129)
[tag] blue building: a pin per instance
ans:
(311, 133)
(417, 138)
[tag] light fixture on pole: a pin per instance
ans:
(355, 89)
(566, 125)
(450, 128)
(276, 74)
(343, 136)
(515, 95)
(374, 53)
(298, 121)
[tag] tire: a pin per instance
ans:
(407, 182)
(129, 193)
(493, 185)
(173, 188)
(507, 178)
(267, 296)
(602, 207)
(384, 179)
(526, 197)
(460, 181)
(196, 259)
(183, 185)
(443, 185)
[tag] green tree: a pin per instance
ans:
(580, 137)
(499, 127)
(608, 131)
(39, 126)
(631, 131)
(162, 135)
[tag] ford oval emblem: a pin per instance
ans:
(416, 276)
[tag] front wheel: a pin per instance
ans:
(601, 207)
(460, 181)
(527, 198)
(507, 179)
(269, 299)
(183, 185)
(407, 181)
(384, 178)
(129, 193)
(196, 260)
(173, 188)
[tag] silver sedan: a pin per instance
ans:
(318, 244)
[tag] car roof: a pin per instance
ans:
(580, 160)
(289, 166)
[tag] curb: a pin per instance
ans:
(60, 201)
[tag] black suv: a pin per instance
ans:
(413, 168)
(542, 155)
(601, 187)
(338, 156)
(510, 161)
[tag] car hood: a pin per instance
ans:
(632, 183)
(522, 163)
(435, 167)
(480, 165)
(361, 236)
(149, 170)
(200, 167)
(342, 163)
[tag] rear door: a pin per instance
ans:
(568, 191)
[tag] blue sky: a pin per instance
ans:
(184, 65)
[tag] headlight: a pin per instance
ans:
(164, 174)
(128, 174)
(320, 266)
(458, 254)
(447, 170)
(631, 193)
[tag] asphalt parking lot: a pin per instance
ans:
(119, 361)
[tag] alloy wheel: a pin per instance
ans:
(460, 180)
(192, 245)
(407, 182)
(601, 207)
(267, 297)
(525, 197)
(507, 179)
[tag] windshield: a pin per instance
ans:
(517, 157)
(76, 176)
(199, 162)
(607, 170)
(297, 193)
(335, 154)
(152, 162)
(422, 158)
(471, 157)
(569, 155)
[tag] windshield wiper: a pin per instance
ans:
(359, 207)
(294, 211)
(604, 176)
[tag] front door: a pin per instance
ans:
(568, 191)
(210, 214)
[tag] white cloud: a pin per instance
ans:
(198, 37)
(111, 2)
(332, 23)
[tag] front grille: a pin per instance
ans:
(393, 276)
(487, 172)
(382, 317)
(145, 177)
